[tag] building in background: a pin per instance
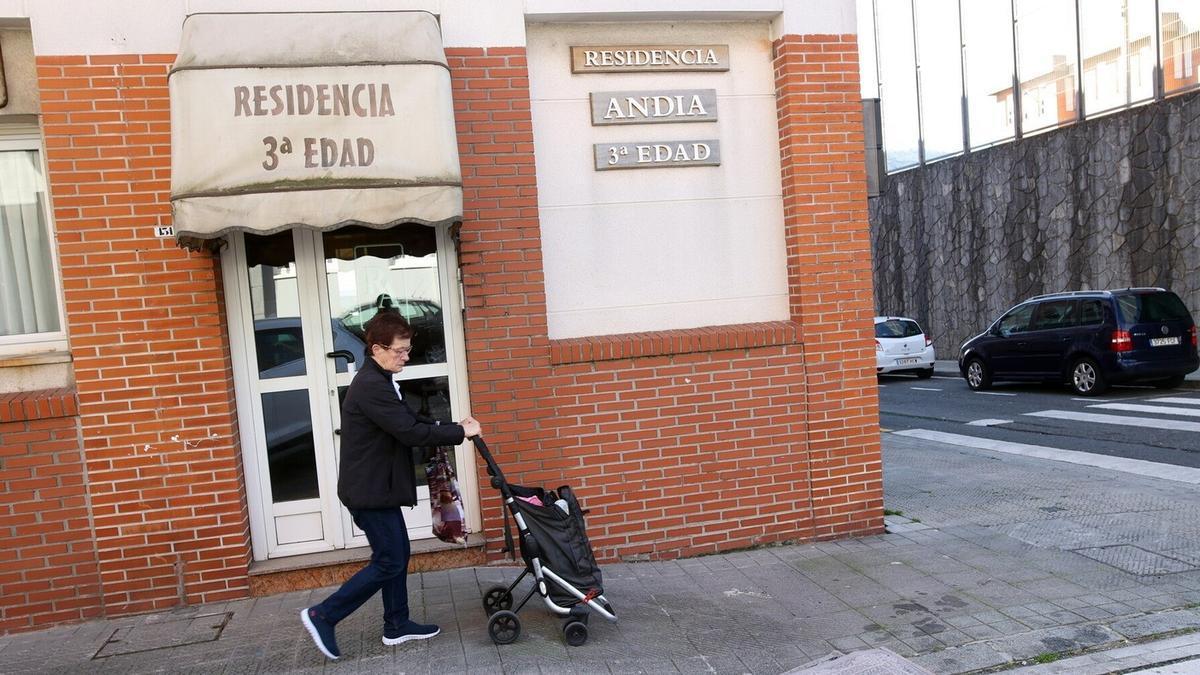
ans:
(633, 243)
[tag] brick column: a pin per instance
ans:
(508, 355)
(829, 275)
(48, 571)
(147, 334)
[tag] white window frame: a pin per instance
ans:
(29, 137)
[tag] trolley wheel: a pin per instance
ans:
(575, 633)
(497, 598)
(504, 627)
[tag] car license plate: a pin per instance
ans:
(1163, 342)
(907, 362)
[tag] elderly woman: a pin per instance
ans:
(375, 480)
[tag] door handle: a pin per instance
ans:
(341, 353)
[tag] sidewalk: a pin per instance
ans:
(996, 561)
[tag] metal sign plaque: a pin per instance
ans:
(657, 154)
(651, 107)
(654, 58)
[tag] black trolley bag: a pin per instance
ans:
(556, 551)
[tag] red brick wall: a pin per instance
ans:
(48, 569)
(691, 449)
(692, 441)
(829, 275)
(148, 337)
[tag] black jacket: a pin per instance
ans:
(379, 432)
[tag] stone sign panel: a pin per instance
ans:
(650, 58)
(657, 154)
(650, 107)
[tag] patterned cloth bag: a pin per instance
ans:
(445, 500)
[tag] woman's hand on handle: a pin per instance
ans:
(471, 427)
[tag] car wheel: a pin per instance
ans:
(978, 376)
(1169, 383)
(926, 373)
(1086, 378)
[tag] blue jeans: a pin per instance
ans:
(387, 571)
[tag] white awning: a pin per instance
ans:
(316, 120)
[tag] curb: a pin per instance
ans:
(1092, 637)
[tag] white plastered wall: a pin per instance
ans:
(155, 26)
(664, 248)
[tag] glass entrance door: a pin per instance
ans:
(299, 302)
(369, 272)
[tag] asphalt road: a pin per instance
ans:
(1161, 426)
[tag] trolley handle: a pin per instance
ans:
(492, 468)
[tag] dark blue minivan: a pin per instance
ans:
(1089, 339)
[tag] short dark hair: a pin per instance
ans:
(385, 328)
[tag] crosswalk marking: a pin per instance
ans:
(1140, 467)
(988, 422)
(1121, 420)
(1176, 399)
(1160, 409)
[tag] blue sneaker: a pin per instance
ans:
(321, 632)
(410, 631)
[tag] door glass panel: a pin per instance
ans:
(394, 270)
(275, 304)
(291, 455)
(429, 397)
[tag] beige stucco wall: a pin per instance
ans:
(658, 248)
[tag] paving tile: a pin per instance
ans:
(1093, 613)
(1161, 622)
(963, 621)
(962, 659)
(981, 631)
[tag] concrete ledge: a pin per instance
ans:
(329, 568)
(670, 342)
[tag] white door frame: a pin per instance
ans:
(322, 382)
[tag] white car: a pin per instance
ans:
(902, 347)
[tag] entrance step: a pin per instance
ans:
(330, 568)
